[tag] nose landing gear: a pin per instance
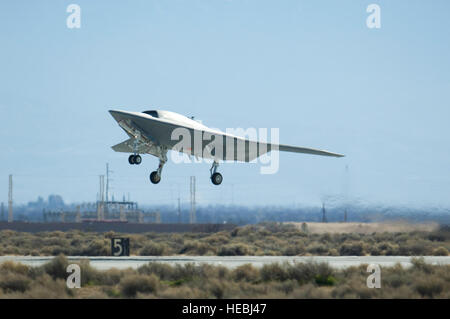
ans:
(216, 177)
(155, 176)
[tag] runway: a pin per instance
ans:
(105, 263)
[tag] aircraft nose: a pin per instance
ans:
(116, 114)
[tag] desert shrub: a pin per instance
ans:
(196, 248)
(16, 268)
(322, 280)
(234, 250)
(317, 249)
(352, 249)
(440, 251)
(293, 250)
(244, 231)
(395, 280)
(182, 292)
(374, 250)
(153, 249)
(90, 275)
(246, 273)
(441, 235)
(176, 238)
(325, 238)
(98, 247)
(173, 274)
(388, 249)
(57, 267)
(11, 282)
(420, 265)
(216, 288)
(414, 248)
(311, 291)
(429, 287)
(333, 252)
(218, 238)
(131, 285)
(44, 287)
(112, 277)
(209, 271)
(110, 234)
(275, 272)
(310, 271)
(163, 271)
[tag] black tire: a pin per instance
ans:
(155, 178)
(216, 178)
(137, 159)
(131, 159)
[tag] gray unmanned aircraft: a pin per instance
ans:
(156, 132)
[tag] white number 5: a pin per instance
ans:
(118, 244)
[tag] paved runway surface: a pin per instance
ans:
(103, 263)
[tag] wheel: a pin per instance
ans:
(155, 178)
(216, 178)
(131, 159)
(137, 159)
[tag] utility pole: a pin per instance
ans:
(10, 200)
(108, 180)
(324, 214)
(122, 214)
(78, 215)
(192, 216)
(3, 213)
(101, 199)
(179, 210)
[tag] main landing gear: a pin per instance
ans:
(216, 178)
(135, 159)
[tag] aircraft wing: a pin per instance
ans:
(234, 148)
(124, 147)
(305, 150)
(128, 147)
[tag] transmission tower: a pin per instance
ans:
(192, 216)
(10, 200)
(324, 213)
(101, 200)
(108, 180)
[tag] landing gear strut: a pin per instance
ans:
(135, 159)
(216, 178)
(155, 176)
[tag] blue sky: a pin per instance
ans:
(311, 68)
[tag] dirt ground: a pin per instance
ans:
(366, 228)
